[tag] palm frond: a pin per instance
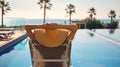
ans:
(47, 1)
(50, 4)
(2, 2)
(3, 12)
(41, 6)
(73, 11)
(41, 1)
(94, 13)
(48, 8)
(6, 4)
(38, 3)
(112, 13)
(88, 12)
(65, 9)
(8, 8)
(70, 8)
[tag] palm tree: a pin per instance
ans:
(112, 14)
(70, 10)
(5, 8)
(45, 4)
(92, 12)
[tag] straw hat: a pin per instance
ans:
(51, 38)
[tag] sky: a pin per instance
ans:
(29, 9)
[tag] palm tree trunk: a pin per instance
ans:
(2, 15)
(70, 18)
(44, 13)
(111, 19)
(91, 16)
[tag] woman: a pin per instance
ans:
(50, 36)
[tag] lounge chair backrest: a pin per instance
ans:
(7, 29)
(65, 57)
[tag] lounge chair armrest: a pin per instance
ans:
(69, 41)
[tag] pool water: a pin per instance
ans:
(88, 50)
(113, 33)
(16, 56)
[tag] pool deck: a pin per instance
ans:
(18, 33)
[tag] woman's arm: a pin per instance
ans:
(29, 29)
(72, 28)
(51, 26)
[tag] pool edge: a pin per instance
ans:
(13, 42)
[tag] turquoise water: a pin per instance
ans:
(40, 21)
(16, 56)
(88, 50)
(60, 21)
(13, 22)
(22, 21)
(112, 33)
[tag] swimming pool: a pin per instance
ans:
(113, 33)
(88, 50)
(16, 56)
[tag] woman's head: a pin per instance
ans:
(51, 26)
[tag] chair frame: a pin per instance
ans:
(65, 59)
(7, 32)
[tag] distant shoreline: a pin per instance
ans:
(22, 21)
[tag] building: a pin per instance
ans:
(79, 23)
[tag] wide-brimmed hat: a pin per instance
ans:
(51, 38)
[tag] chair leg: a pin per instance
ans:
(34, 64)
(69, 64)
(65, 64)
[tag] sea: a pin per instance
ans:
(22, 21)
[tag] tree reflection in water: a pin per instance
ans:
(111, 31)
